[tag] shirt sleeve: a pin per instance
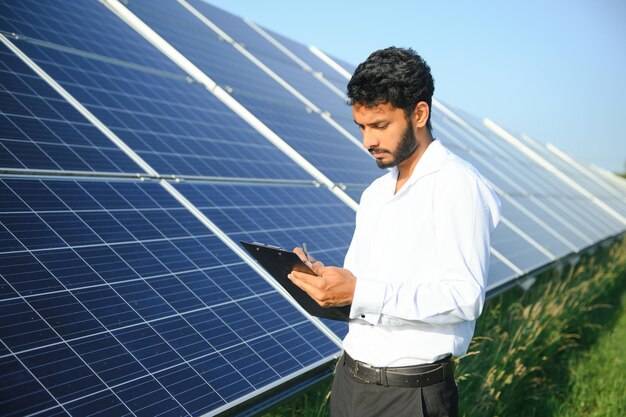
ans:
(466, 211)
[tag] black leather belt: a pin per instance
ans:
(401, 376)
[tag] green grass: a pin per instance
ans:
(533, 352)
(525, 342)
(312, 403)
(598, 376)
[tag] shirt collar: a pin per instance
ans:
(431, 161)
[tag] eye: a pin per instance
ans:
(382, 126)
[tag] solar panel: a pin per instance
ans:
(522, 253)
(40, 130)
(590, 218)
(500, 274)
(174, 125)
(581, 175)
(616, 181)
(268, 50)
(308, 57)
(80, 26)
(322, 145)
(355, 192)
(284, 216)
(118, 296)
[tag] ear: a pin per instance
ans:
(420, 114)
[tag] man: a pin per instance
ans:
(416, 269)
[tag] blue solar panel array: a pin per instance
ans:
(326, 99)
(113, 292)
(173, 124)
(595, 184)
(556, 216)
(122, 289)
(544, 184)
(316, 65)
(322, 145)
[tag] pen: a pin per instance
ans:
(306, 252)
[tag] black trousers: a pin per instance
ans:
(353, 398)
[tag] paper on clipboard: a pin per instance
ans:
(279, 263)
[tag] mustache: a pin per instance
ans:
(376, 150)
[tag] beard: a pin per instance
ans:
(406, 147)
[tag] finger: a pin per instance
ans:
(317, 267)
(298, 251)
(305, 286)
(324, 270)
(309, 279)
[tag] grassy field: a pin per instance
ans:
(556, 350)
(598, 376)
(526, 343)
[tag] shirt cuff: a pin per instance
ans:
(367, 303)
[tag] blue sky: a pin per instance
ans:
(555, 70)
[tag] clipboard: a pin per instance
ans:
(279, 263)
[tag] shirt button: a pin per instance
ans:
(362, 316)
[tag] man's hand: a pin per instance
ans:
(334, 287)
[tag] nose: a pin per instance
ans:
(370, 138)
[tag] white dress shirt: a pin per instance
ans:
(420, 257)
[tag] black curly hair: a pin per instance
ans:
(392, 75)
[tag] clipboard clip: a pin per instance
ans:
(267, 246)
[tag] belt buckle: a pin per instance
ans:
(355, 372)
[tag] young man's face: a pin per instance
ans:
(387, 134)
